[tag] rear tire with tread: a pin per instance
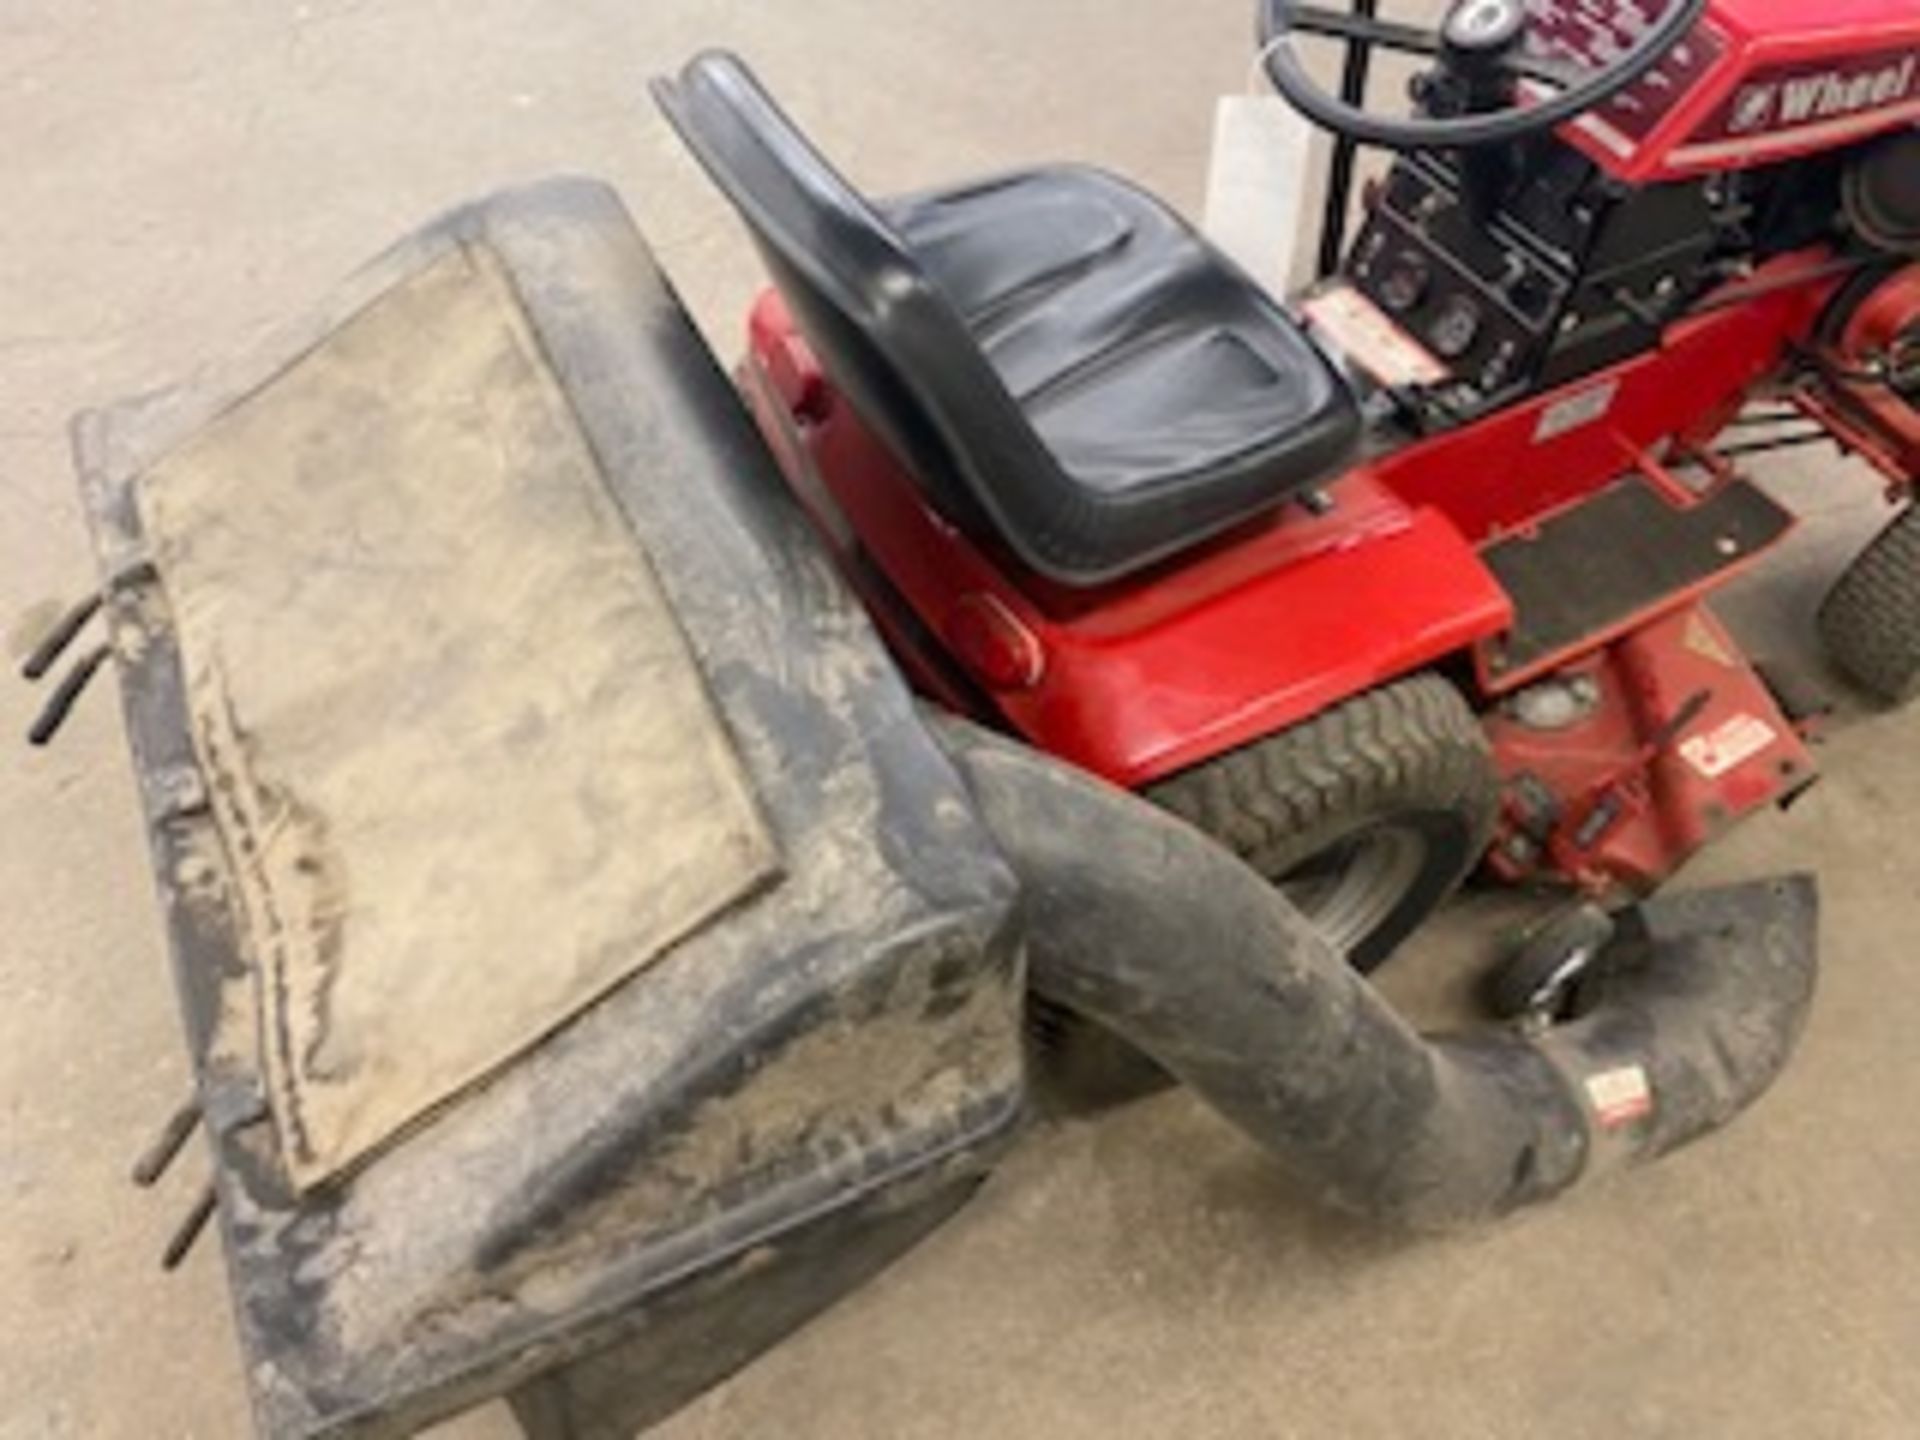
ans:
(1870, 621)
(1411, 755)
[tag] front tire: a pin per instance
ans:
(1368, 816)
(1870, 622)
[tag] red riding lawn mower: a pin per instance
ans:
(1410, 572)
(596, 958)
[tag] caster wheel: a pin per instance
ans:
(1552, 974)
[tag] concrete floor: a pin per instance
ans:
(178, 176)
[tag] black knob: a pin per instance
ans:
(1485, 27)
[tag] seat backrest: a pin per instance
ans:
(884, 331)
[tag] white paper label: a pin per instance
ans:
(1366, 336)
(1621, 1096)
(1729, 746)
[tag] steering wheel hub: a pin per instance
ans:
(1485, 27)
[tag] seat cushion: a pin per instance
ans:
(1058, 359)
(1143, 359)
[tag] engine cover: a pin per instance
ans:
(1759, 81)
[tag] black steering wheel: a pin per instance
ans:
(1481, 45)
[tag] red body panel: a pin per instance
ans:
(1276, 621)
(1737, 755)
(1145, 678)
(1761, 81)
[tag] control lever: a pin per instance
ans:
(1612, 804)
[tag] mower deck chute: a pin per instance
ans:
(1138, 922)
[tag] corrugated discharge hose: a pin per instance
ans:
(1143, 925)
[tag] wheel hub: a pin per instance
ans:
(1351, 890)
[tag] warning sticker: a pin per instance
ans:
(1728, 746)
(1365, 335)
(1702, 641)
(1576, 412)
(1619, 1097)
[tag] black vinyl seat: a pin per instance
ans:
(1056, 354)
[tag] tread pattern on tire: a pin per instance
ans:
(1870, 621)
(1412, 742)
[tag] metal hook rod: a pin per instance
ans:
(56, 641)
(167, 1145)
(60, 704)
(184, 1238)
